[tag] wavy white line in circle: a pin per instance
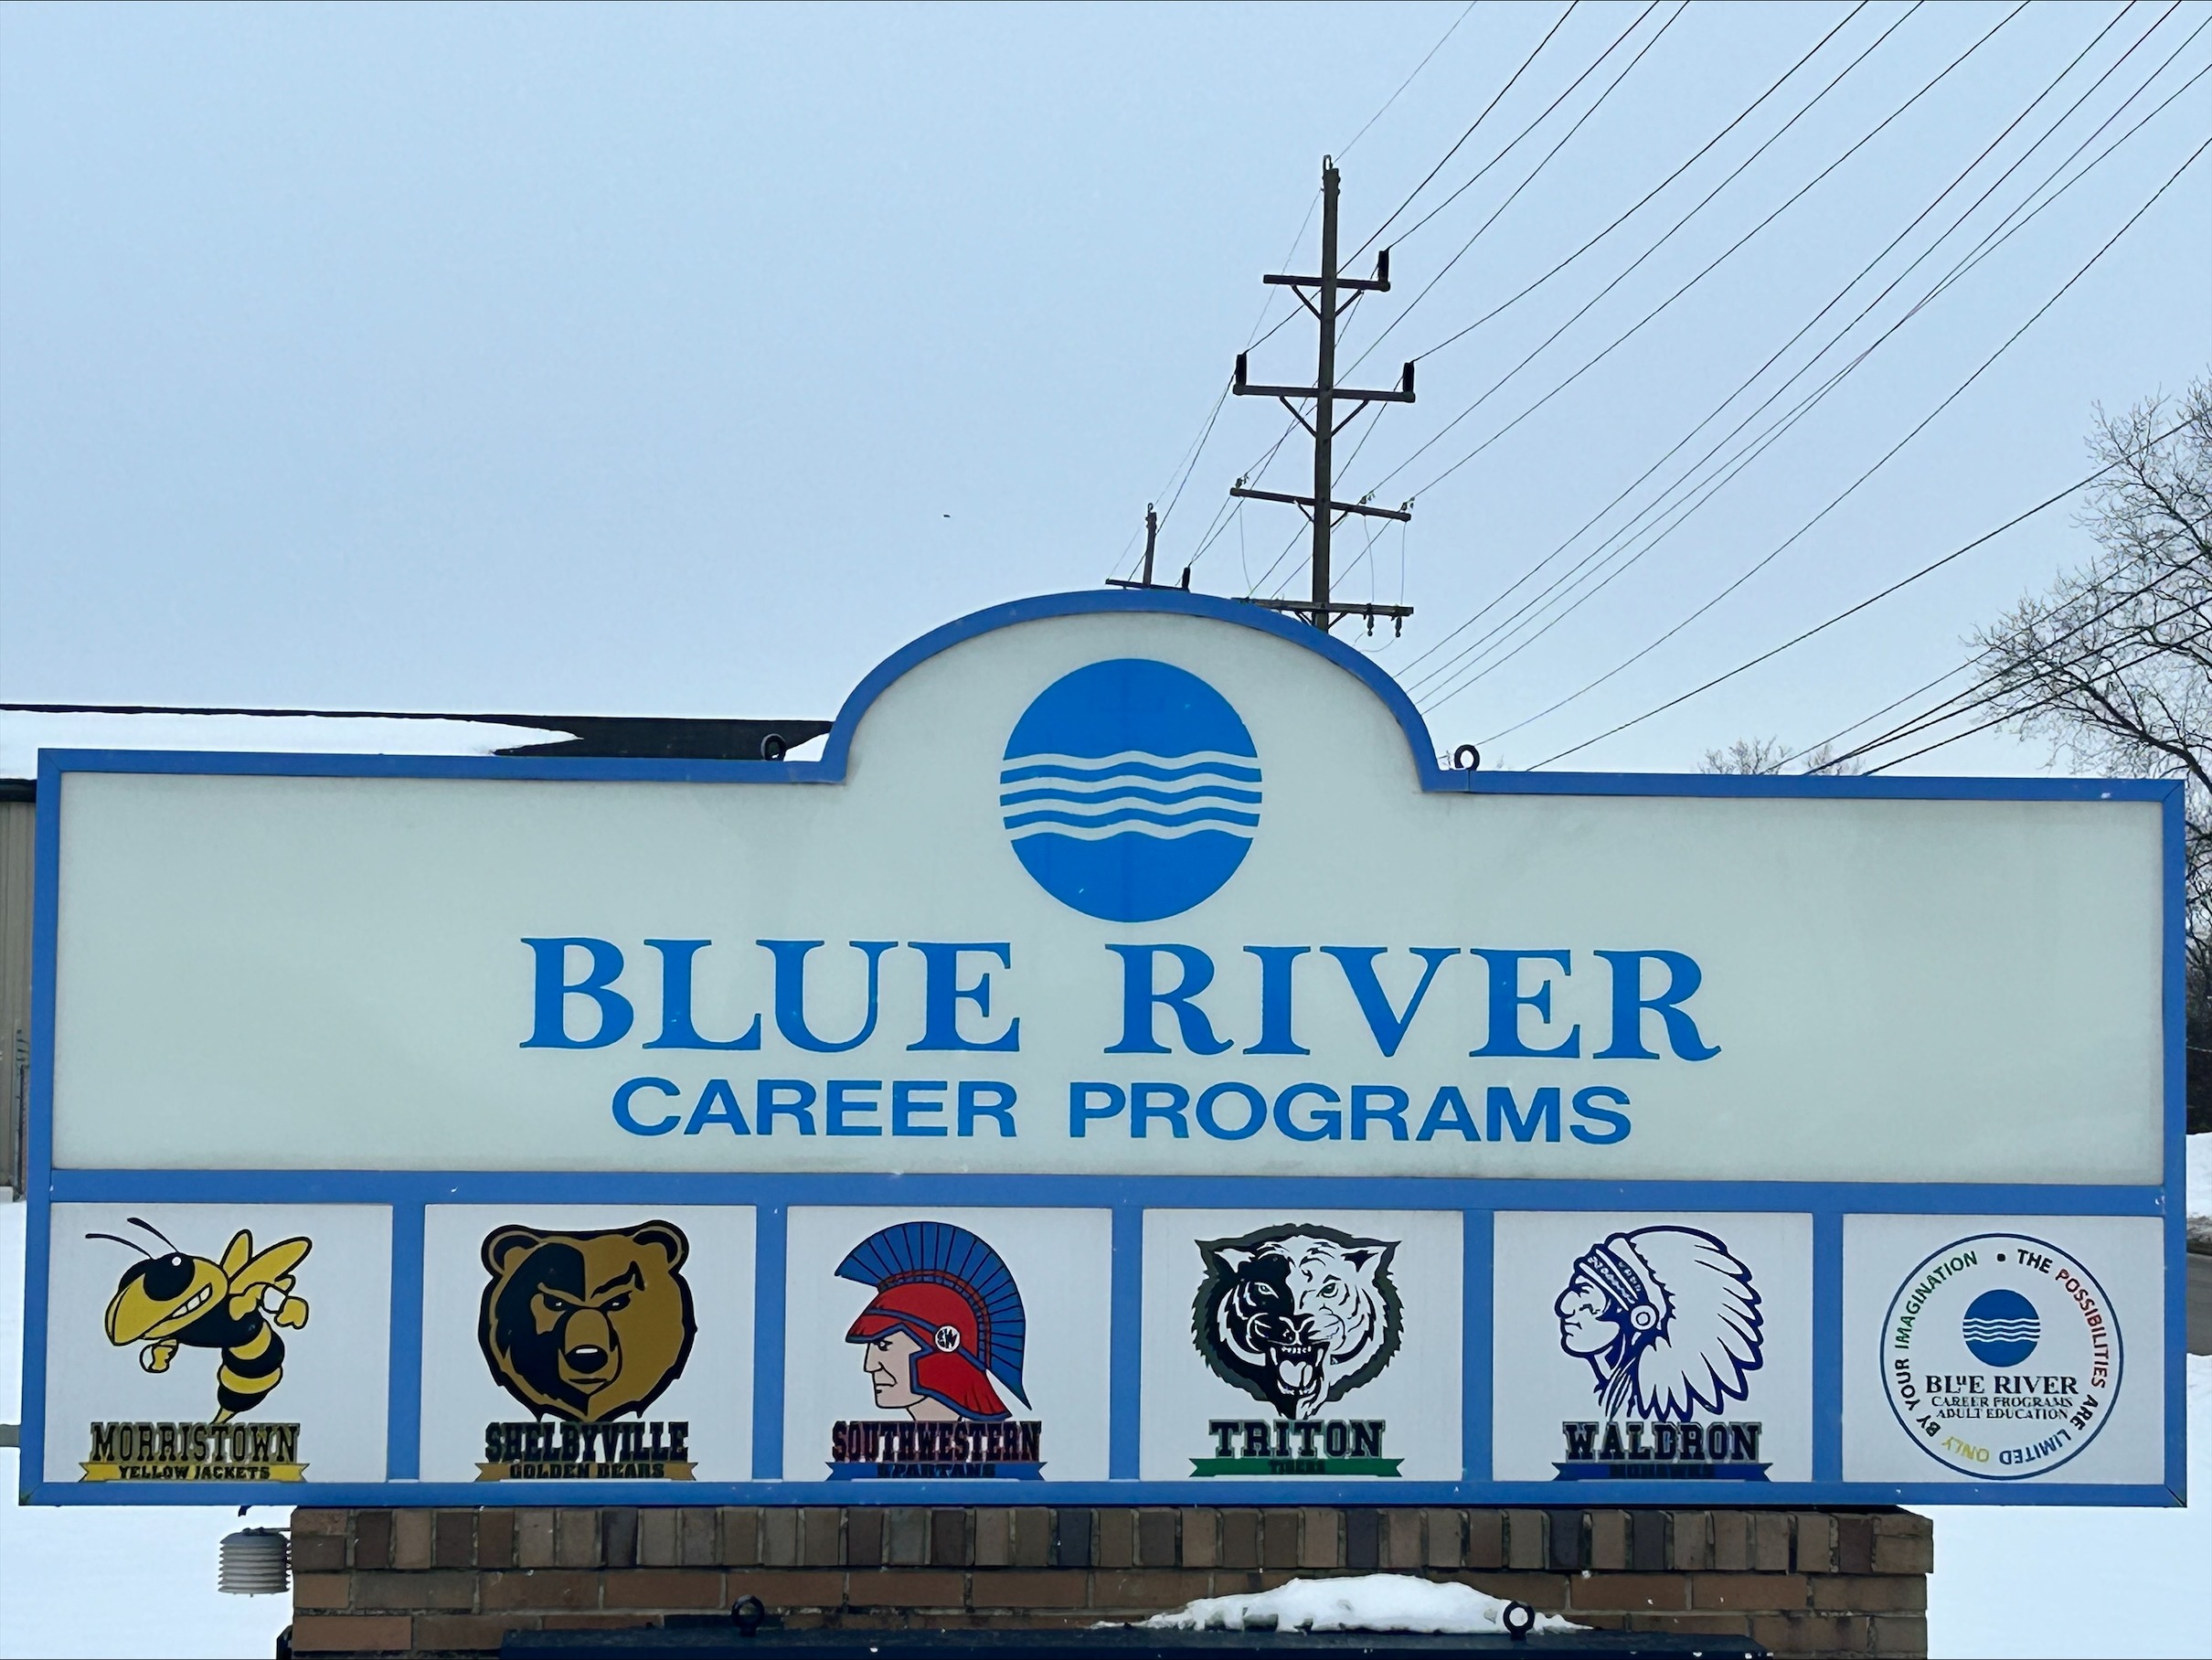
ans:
(1097, 810)
(1110, 801)
(1103, 833)
(1198, 783)
(1139, 793)
(1085, 764)
(1137, 819)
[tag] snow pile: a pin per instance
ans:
(2031, 1582)
(2199, 1183)
(1374, 1601)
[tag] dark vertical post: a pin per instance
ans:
(1324, 403)
(1322, 610)
(1152, 535)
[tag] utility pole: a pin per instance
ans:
(1152, 542)
(1322, 610)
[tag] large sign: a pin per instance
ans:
(1124, 1062)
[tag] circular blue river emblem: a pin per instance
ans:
(2000, 1355)
(2001, 1327)
(1131, 789)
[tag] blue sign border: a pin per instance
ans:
(408, 1193)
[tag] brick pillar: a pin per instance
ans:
(422, 1582)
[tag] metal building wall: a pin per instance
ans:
(16, 818)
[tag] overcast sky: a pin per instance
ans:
(688, 360)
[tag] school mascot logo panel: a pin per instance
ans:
(1297, 1315)
(1669, 1323)
(587, 1329)
(173, 1300)
(943, 1335)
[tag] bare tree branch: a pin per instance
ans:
(2131, 693)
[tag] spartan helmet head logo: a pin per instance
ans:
(1297, 1315)
(946, 1322)
(1667, 1319)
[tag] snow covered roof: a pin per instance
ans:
(25, 728)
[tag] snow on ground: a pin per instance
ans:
(2029, 1581)
(2199, 1168)
(1374, 1601)
(101, 1581)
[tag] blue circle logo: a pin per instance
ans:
(1131, 789)
(2001, 1327)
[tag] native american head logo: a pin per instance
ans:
(1297, 1315)
(945, 1320)
(1667, 1319)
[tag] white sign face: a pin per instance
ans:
(935, 1344)
(2012, 1349)
(1111, 893)
(1653, 1347)
(587, 1344)
(192, 1344)
(1125, 1061)
(1303, 1344)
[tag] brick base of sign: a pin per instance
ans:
(424, 1582)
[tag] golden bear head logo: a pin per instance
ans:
(585, 1326)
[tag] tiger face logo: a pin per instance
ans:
(584, 1326)
(1297, 1315)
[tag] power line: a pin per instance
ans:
(1543, 115)
(1759, 446)
(1813, 749)
(1712, 415)
(1406, 310)
(1966, 702)
(1853, 611)
(1511, 80)
(1254, 339)
(1733, 467)
(1530, 178)
(1886, 456)
(1259, 469)
(1674, 449)
(1820, 627)
(1321, 508)
(1902, 729)
(1296, 536)
(2017, 714)
(1596, 105)
(1741, 116)
(1346, 149)
(1725, 254)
